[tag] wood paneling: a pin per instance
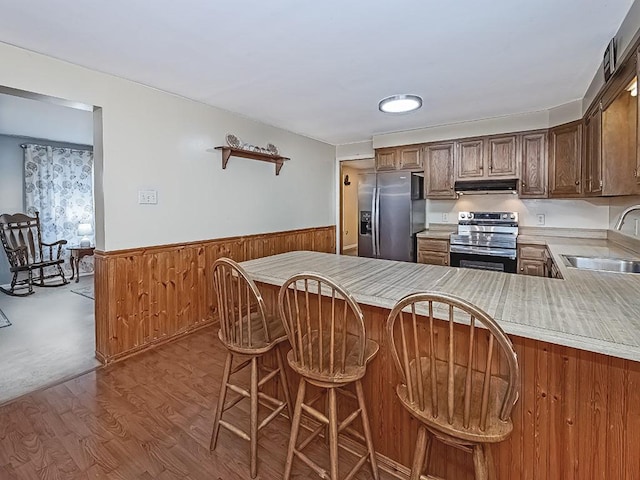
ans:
(577, 417)
(150, 295)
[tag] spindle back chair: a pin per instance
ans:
(445, 350)
(22, 241)
(247, 329)
(329, 349)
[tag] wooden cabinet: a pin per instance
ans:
(394, 158)
(433, 251)
(619, 141)
(438, 159)
(410, 157)
(532, 260)
(386, 159)
(487, 157)
(533, 168)
(470, 158)
(565, 160)
(535, 260)
(502, 156)
(593, 154)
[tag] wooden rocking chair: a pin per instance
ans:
(22, 242)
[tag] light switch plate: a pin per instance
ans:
(540, 217)
(147, 197)
(445, 217)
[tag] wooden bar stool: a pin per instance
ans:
(450, 378)
(330, 351)
(246, 330)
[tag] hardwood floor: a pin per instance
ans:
(147, 417)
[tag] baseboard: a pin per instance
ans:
(153, 344)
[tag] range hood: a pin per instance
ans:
(479, 187)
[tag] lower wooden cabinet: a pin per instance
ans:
(532, 260)
(433, 251)
(535, 260)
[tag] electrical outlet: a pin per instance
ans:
(540, 217)
(445, 217)
(147, 197)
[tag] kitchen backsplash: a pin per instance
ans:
(578, 213)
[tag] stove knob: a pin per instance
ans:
(513, 216)
(471, 215)
(463, 215)
(504, 215)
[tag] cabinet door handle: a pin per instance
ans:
(523, 185)
(577, 182)
(522, 269)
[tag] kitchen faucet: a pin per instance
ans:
(624, 214)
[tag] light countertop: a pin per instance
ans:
(590, 310)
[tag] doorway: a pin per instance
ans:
(350, 171)
(49, 336)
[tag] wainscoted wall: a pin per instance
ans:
(147, 296)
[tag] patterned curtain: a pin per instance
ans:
(59, 185)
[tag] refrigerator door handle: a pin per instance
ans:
(373, 222)
(377, 223)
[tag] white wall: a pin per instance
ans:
(576, 213)
(155, 140)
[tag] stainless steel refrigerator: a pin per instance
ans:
(391, 210)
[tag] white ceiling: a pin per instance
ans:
(320, 68)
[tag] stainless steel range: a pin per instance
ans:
(485, 241)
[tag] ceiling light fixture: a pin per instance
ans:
(400, 103)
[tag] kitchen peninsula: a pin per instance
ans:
(578, 345)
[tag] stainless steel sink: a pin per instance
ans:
(607, 264)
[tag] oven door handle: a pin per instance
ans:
(491, 252)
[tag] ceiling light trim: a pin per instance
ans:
(400, 103)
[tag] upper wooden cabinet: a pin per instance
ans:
(610, 160)
(393, 158)
(619, 145)
(410, 157)
(470, 158)
(533, 168)
(502, 156)
(387, 158)
(593, 154)
(438, 159)
(487, 157)
(565, 160)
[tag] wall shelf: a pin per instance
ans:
(228, 152)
